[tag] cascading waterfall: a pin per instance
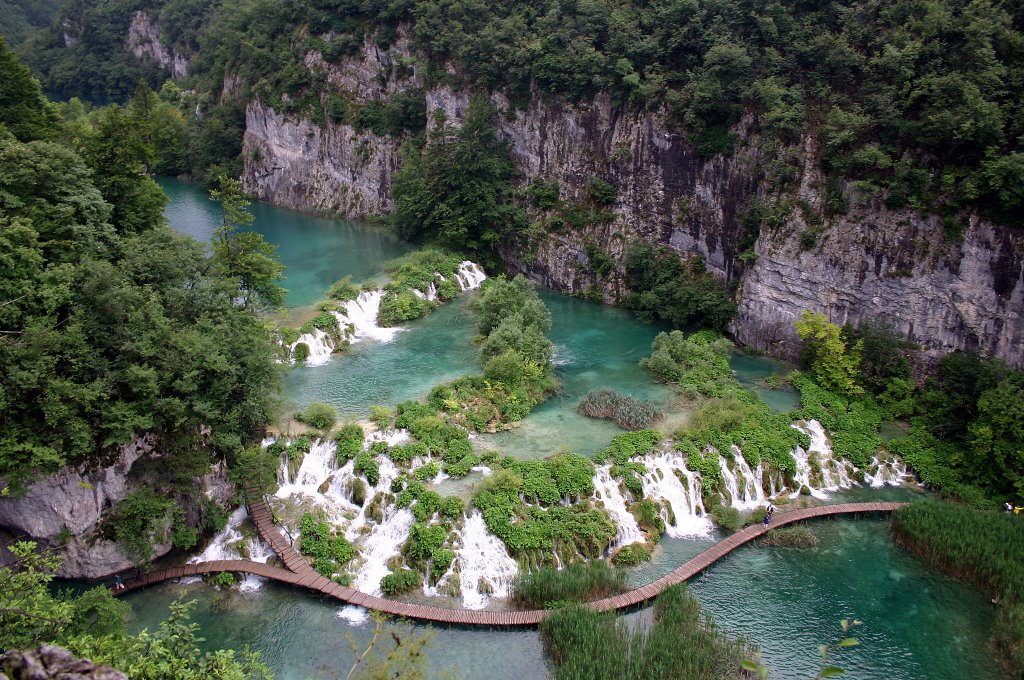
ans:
(834, 474)
(606, 490)
(742, 483)
(362, 314)
(231, 544)
(470, 275)
(482, 563)
(891, 471)
(662, 484)
(320, 347)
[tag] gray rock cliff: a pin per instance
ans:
(870, 264)
(63, 511)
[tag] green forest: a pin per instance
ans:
(916, 100)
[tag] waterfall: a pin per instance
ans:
(891, 471)
(317, 465)
(362, 314)
(469, 276)
(749, 494)
(606, 490)
(662, 484)
(320, 347)
(230, 544)
(378, 546)
(482, 560)
(834, 473)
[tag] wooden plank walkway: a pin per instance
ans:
(300, 573)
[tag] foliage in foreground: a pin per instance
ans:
(984, 547)
(577, 582)
(683, 643)
(92, 625)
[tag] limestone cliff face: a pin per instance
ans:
(871, 263)
(144, 41)
(63, 511)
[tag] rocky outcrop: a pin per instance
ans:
(871, 264)
(56, 663)
(144, 41)
(63, 511)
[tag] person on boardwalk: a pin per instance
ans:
(118, 583)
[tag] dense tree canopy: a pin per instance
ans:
(111, 325)
(917, 98)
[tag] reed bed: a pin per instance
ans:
(683, 643)
(984, 547)
(580, 582)
(790, 537)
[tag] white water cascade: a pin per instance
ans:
(230, 544)
(834, 474)
(320, 347)
(662, 483)
(469, 276)
(378, 546)
(891, 471)
(362, 314)
(742, 483)
(482, 560)
(606, 491)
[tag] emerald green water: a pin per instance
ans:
(316, 252)
(917, 623)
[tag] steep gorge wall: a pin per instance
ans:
(870, 264)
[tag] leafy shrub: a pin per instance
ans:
(224, 579)
(318, 415)
(349, 441)
(663, 287)
(328, 548)
(425, 473)
(632, 555)
(366, 465)
(400, 582)
(452, 507)
(401, 305)
(343, 290)
(726, 517)
(381, 416)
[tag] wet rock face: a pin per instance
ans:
(871, 264)
(56, 663)
(63, 511)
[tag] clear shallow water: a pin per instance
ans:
(315, 251)
(917, 623)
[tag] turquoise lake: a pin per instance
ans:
(918, 624)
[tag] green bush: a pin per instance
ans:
(343, 290)
(401, 305)
(400, 582)
(349, 441)
(632, 555)
(329, 549)
(427, 472)
(664, 287)
(726, 517)
(318, 415)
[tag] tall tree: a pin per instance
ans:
(245, 255)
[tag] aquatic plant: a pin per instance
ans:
(627, 412)
(400, 581)
(682, 642)
(983, 547)
(578, 582)
(790, 537)
(349, 442)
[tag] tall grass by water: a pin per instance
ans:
(984, 547)
(579, 582)
(682, 643)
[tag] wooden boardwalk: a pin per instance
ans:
(300, 573)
